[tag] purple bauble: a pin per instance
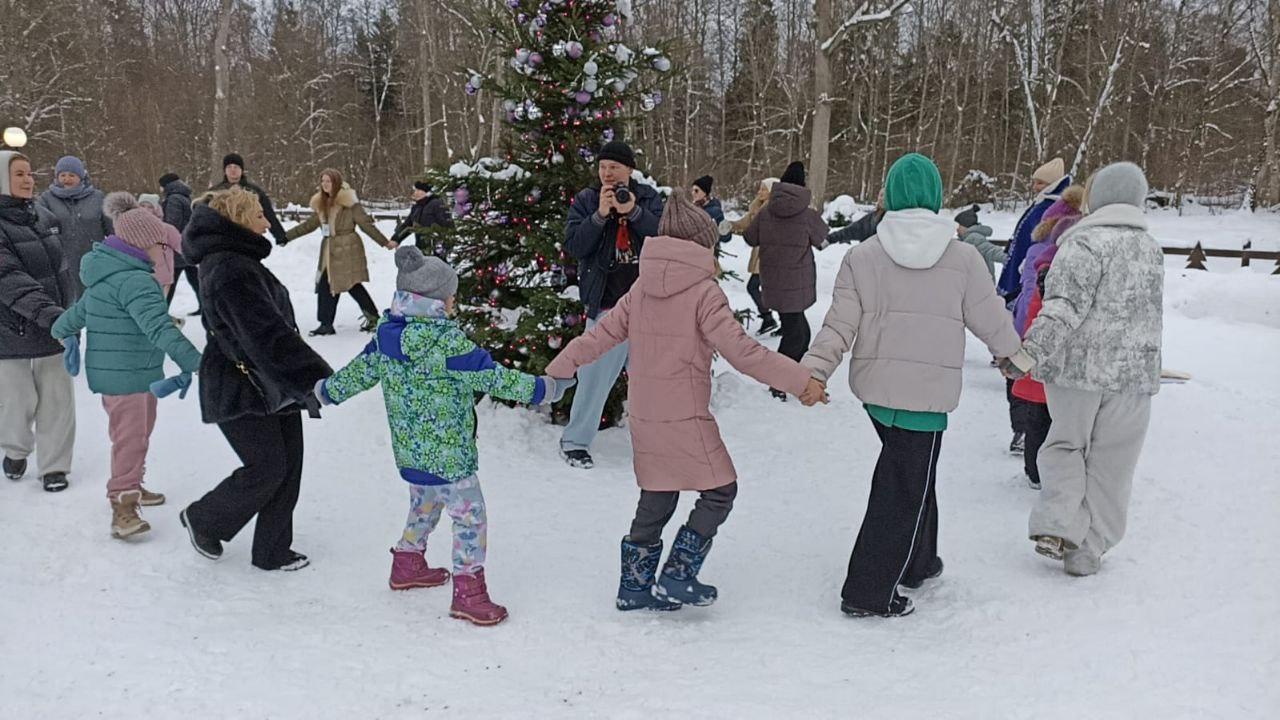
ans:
(609, 20)
(461, 196)
(574, 48)
(657, 97)
(595, 36)
(583, 97)
(513, 4)
(535, 58)
(469, 88)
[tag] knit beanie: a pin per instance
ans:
(686, 221)
(968, 218)
(422, 185)
(6, 159)
(704, 184)
(71, 164)
(232, 159)
(167, 178)
(913, 183)
(794, 174)
(1121, 183)
(1050, 172)
(618, 152)
(140, 228)
(118, 203)
(425, 275)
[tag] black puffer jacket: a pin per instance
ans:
(177, 204)
(35, 284)
(427, 212)
(248, 310)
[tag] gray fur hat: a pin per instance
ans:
(425, 275)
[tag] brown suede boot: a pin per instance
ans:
(125, 521)
(150, 498)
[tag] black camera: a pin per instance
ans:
(621, 194)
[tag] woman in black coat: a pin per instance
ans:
(256, 377)
(428, 211)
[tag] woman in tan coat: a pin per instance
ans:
(768, 323)
(342, 268)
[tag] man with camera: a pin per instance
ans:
(606, 230)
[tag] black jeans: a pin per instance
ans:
(656, 508)
(899, 536)
(327, 302)
(1017, 408)
(267, 486)
(795, 335)
(1037, 428)
(753, 289)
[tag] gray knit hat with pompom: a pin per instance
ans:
(425, 275)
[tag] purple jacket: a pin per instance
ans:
(1035, 253)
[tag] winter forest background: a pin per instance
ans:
(1190, 89)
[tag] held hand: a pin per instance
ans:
(814, 393)
(555, 389)
(71, 355)
(179, 383)
(1008, 369)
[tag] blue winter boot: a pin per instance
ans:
(679, 579)
(635, 591)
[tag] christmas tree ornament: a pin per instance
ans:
(557, 158)
(522, 55)
(591, 85)
(661, 64)
(590, 67)
(554, 342)
(622, 53)
(609, 20)
(647, 103)
(582, 97)
(558, 49)
(535, 58)
(574, 49)
(607, 135)
(620, 85)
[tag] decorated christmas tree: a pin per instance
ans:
(568, 87)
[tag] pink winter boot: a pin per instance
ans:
(471, 601)
(409, 570)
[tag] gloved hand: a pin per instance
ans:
(71, 355)
(555, 389)
(179, 383)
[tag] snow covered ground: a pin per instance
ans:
(1181, 623)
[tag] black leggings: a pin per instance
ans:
(757, 296)
(656, 508)
(193, 278)
(795, 335)
(1037, 422)
(327, 302)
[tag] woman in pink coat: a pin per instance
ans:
(675, 318)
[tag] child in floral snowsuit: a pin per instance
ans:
(430, 372)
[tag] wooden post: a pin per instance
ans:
(1195, 261)
(1244, 253)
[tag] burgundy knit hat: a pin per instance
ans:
(141, 228)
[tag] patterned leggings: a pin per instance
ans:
(465, 504)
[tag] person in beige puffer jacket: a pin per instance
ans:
(903, 300)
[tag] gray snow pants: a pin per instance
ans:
(38, 412)
(1087, 464)
(656, 508)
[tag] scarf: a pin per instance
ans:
(79, 192)
(408, 304)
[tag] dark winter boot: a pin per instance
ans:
(900, 606)
(912, 583)
(679, 579)
(205, 545)
(14, 469)
(369, 323)
(325, 329)
(54, 482)
(767, 325)
(639, 565)
(580, 459)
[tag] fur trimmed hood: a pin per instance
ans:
(346, 198)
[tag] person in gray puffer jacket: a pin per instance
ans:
(1096, 346)
(77, 205)
(969, 230)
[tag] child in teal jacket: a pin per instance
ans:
(129, 333)
(430, 372)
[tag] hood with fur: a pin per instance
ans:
(915, 239)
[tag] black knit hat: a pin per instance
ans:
(704, 184)
(422, 185)
(968, 218)
(794, 174)
(167, 178)
(619, 152)
(233, 159)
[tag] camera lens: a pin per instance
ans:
(622, 194)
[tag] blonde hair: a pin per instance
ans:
(237, 205)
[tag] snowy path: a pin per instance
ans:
(1182, 622)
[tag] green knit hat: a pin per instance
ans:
(913, 182)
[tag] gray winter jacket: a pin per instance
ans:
(787, 230)
(83, 224)
(1101, 323)
(903, 300)
(979, 236)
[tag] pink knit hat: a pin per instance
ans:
(141, 229)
